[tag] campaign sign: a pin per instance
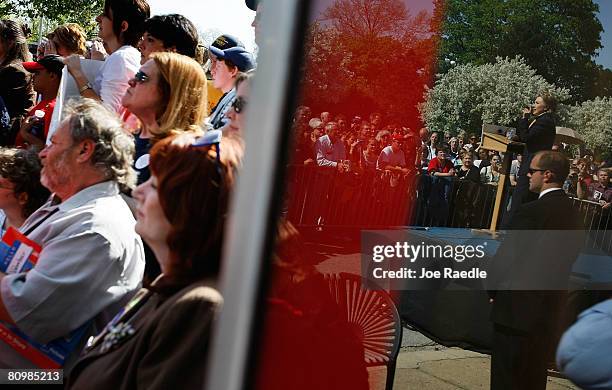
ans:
(20, 254)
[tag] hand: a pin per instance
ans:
(50, 48)
(97, 51)
(73, 63)
(605, 205)
(491, 300)
(526, 111)
(27, 124)
(40, 51)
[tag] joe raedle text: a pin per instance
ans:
(421, 261)
(446, 273)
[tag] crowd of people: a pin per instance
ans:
(389, 157)
(149, 147)
(124, 289)
(115, 193)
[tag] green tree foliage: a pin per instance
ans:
(469, 95)
(557, 38)
(593, 121)
(57, 12)
(6, 8)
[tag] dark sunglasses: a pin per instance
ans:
(140, 77)
(239, 104)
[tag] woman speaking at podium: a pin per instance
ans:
(536, 128)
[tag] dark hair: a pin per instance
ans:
(134, 12)
(549, 100)
(554, 161)
(230, 65)
(193, 189)
(22, 168)
(14, 36)
(174, 30)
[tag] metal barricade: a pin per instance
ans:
(598, 222)
(323, 197)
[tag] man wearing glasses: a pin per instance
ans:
(526, 322)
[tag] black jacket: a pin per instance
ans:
(540, 252)
(539, 136)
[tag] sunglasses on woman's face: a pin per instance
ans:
(140, 77)
(239, 104)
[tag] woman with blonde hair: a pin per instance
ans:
(168, 92)
(66, 40)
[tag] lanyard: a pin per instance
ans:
(37, 224)
(124, 315)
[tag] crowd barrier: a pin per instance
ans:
(598, 222)
(377, 200)
(319, 196)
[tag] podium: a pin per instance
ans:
(500, 143)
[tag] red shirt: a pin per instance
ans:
(45, 105)
(436, 166)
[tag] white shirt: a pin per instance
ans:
(389, 157)
(328, 154)
(548, 190)
(112, 80)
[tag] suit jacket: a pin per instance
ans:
(539, 136)
(540, 252)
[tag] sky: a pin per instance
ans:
(605, 17)
(227, 16)
(232, 16)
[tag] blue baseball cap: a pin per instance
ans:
(239, 56)
(226, 41)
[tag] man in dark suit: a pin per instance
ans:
(537, 134)
(535, 259)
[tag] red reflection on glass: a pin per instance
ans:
(355, 159)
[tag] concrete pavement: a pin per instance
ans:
(426, 365)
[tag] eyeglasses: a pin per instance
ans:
(239, 104)
(534, 170)
(140, 77)
(211, 137)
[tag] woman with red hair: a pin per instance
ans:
(160, 339)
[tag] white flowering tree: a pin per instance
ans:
(468, 95)
(593, 121)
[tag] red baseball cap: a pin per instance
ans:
(52, 62)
